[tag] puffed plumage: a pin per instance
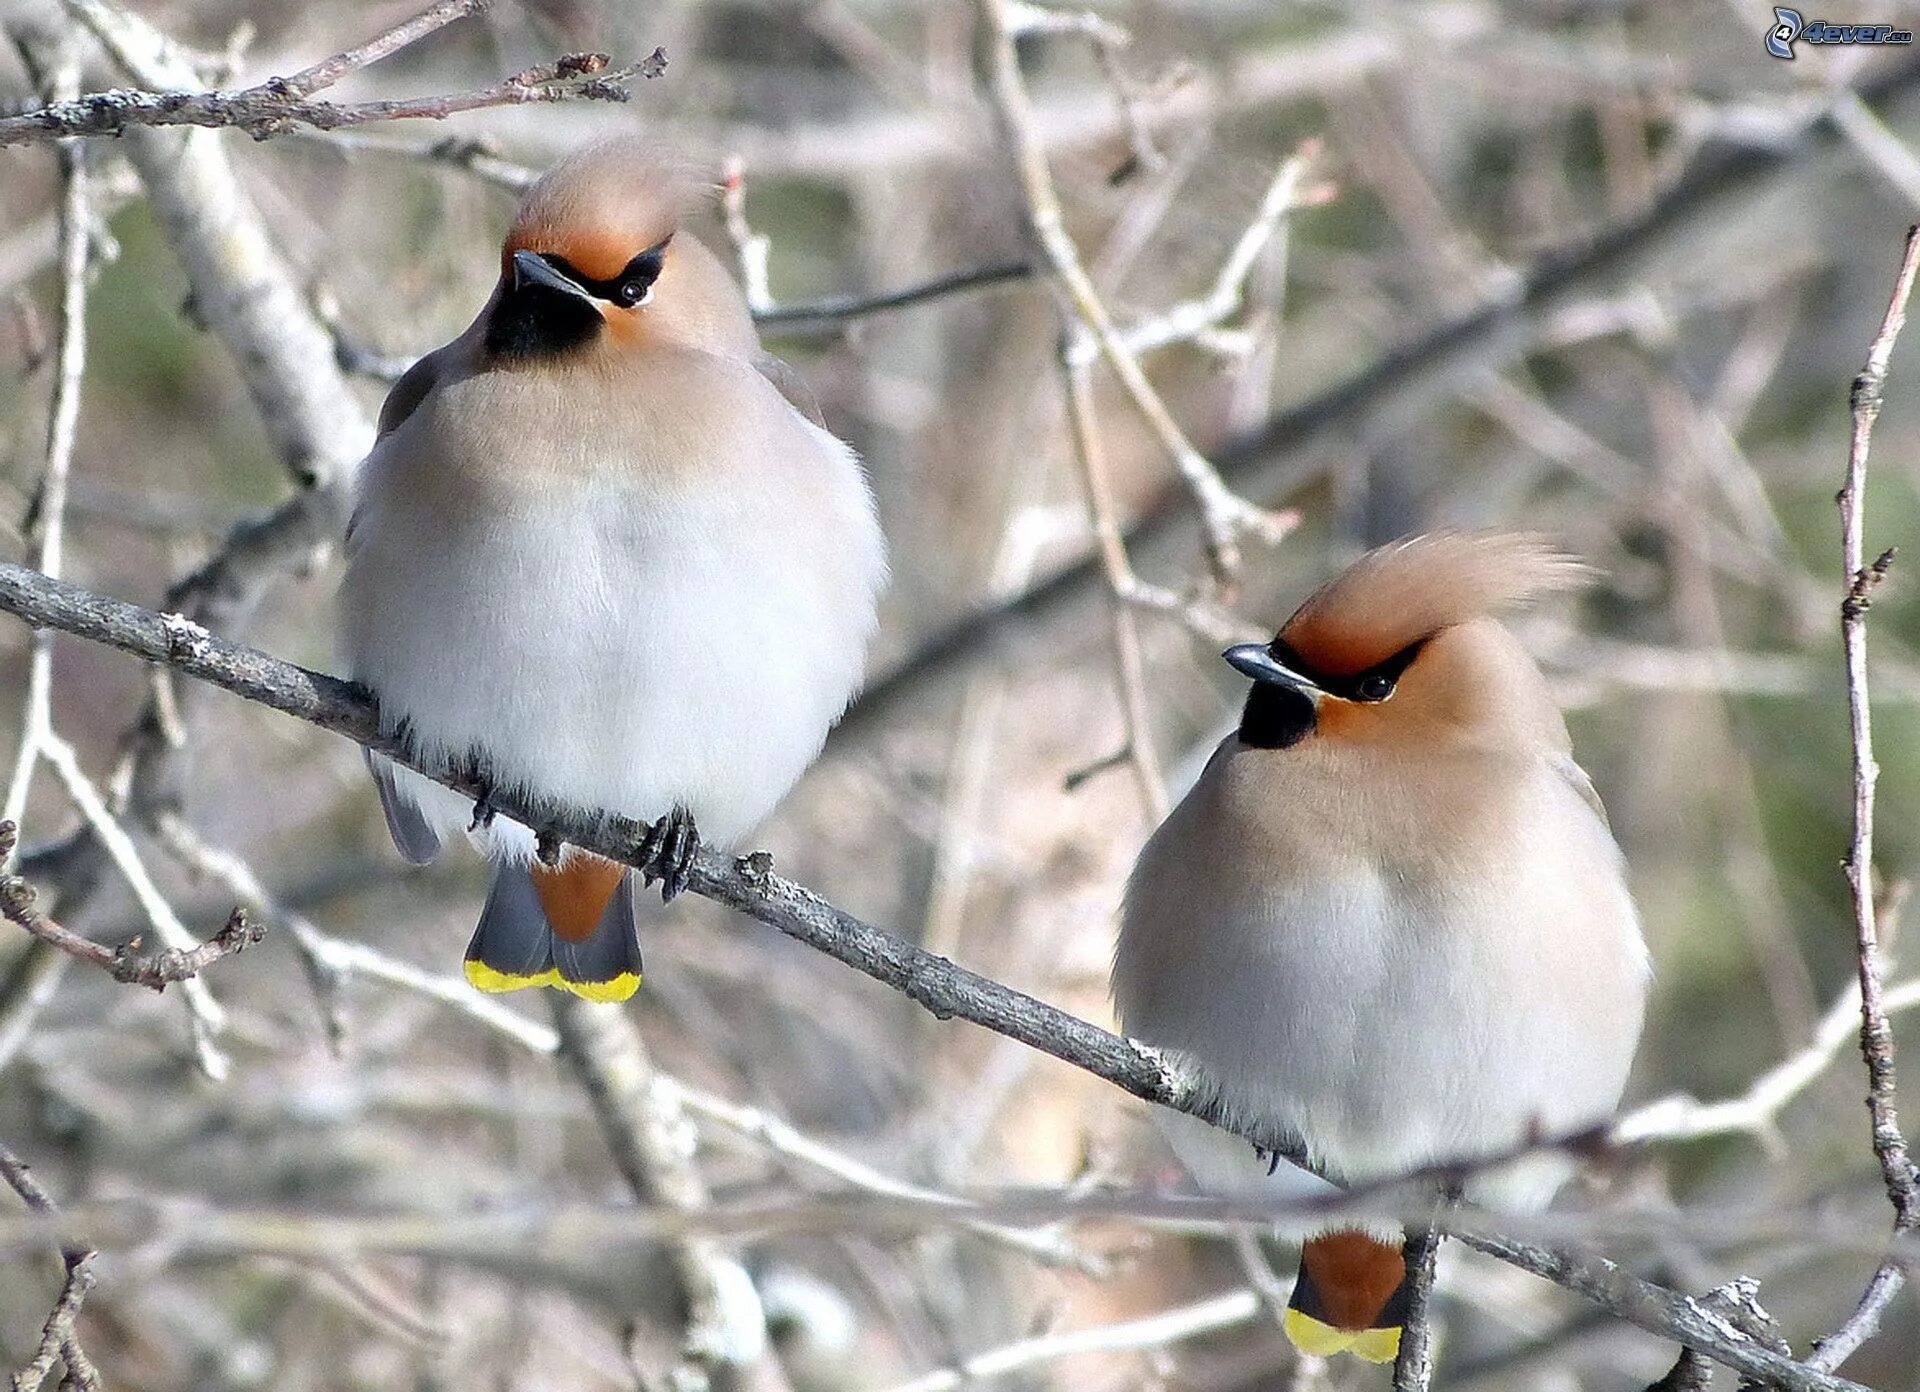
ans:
(1398, 925)
(604, 547)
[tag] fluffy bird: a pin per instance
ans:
(603, 551)
(1390, 916)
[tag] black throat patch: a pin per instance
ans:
(538, 321)
(1276, 717)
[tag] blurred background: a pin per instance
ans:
(1598, 267)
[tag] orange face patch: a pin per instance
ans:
(575, 894)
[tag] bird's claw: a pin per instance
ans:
(1272, 1157)
(668, 853)
(483, 812)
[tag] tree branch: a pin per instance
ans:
(59, 1341)
(156, 972)
(1876, 1037)
(749, 885)
(281, 103)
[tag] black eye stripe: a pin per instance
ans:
(627, 288)
(1376, 683)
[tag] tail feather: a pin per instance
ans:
(513, 945)
(1351, 1297)
(413, 835)
(605, 965)
(571, 927)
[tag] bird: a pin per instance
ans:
(603, 553)
(1390, 917)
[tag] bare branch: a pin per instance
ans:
(653, 1148)
(1153, 1332)
(1224, 514)
(1413, 1367)
(749, 885)
(750, 248)
(282, 103)
(50, 505)
(156, 972)
(330, 70)
(1876, 1037)
(1682, 1118)
(59, 1340)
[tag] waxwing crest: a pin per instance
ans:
(1408, 590)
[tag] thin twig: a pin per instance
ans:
(1876, 1037)
(1129, 671)
(50, 504)
(123, 964)
(59, 1340)
(1152, 1332)
(280, 104)
(332, 960)
(1413, 1367)
(751, 249)
(330, 70)
(1225, 516)
(1683, 1118)
(206, 1020)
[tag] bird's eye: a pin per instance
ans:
(633, 292)
(1375, 686)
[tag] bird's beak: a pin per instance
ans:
(1253, 660)
(531, 269)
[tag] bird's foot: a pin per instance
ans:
(668, 853)
(1272, 1158)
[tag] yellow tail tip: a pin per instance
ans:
(1378, 1345)
(1322, 1340)
(619, 988)
(485, 978)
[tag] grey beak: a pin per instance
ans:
(1253, 660)
(531, 269)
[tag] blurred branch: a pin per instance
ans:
(59, 1340)
(156, 972)
(331, 960)
(1152, 1332)
(653, 1147)
(1224, 515)
(1683, 1118)
(832, 310)
(1199, 321)
(1876, 1036)
(786, 1140)
(749, 885)
(1409, 376)
(585, 1241)
(281, 103)
(49, 510)
(750, 248)
(243, 289)
(1129, 672)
